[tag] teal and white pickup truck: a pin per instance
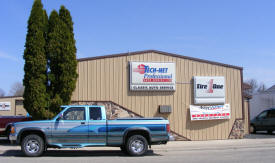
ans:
(87, 126)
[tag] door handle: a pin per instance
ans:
(82, 123)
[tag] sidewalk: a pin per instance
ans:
(215, 144)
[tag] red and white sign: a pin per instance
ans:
(5, 106)
(209, 90)
(210, 112)
(152, 76)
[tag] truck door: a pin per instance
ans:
(72, 128)
(260, 122)
(97, 126)
(271, 120)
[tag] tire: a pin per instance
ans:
(8, 131)
(252, 129)
(136, 145)
(269, 132)
(32, 145)
(45, 148)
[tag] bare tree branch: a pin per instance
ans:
(17, 89)
(254, 85)
(261, 88)
(2, 93)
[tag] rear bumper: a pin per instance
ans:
(2, 131)
(171, 138)
(163, 140)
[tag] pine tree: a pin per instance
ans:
(61, 53)
(36, 63)
(69, 67)
(54, 53)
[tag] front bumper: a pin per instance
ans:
(12, 139)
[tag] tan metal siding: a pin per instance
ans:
(107, 79)
(16, 107)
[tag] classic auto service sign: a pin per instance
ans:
(152, 76)
(210, 112)
(5, 106)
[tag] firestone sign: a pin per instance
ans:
(152, 76)
(209, 90)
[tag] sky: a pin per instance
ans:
(236, 32)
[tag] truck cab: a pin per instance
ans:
(79, 126)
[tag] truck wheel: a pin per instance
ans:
(32, 145)
(8, 131)
(137, 145)
(252, 129)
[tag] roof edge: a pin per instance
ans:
(11, 97)
(159, 52)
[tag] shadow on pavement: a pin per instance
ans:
(76, 153)
(260, 135)
(5, 143)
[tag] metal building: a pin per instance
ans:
(262, 101)
(12, 106)
(158, 84)
(108, 80)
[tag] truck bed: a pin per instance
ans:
(6, 120)
(117, 128)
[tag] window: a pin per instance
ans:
(74, 113)
(271, 114)
(262, 115)
(95, 113)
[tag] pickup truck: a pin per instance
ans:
(87, 126)
(6, 123)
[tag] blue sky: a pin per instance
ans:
(237, 32)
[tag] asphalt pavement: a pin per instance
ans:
(254, 148)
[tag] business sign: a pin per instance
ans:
(210, 112)
(152, 76)
(5, 106)
(209, 90)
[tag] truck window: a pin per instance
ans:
(262, 115)
(271, 114)
(74, 113)
(95, 113)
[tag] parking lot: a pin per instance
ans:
(254, 148)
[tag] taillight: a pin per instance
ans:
(168, 127)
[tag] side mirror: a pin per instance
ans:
(59, 117)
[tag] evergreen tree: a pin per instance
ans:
(61, 53)
(36, 63)
(69, 63)
(54, 53)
